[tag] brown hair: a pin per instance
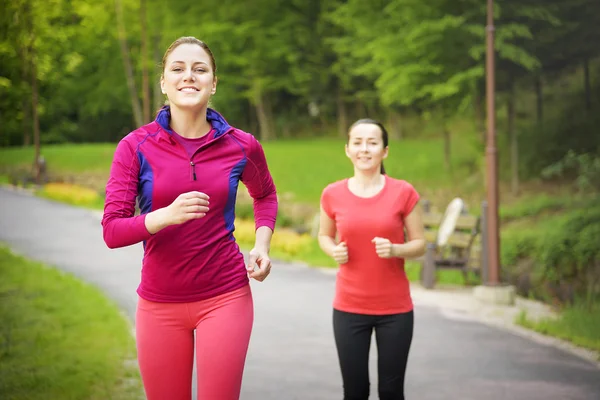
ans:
(190, 40)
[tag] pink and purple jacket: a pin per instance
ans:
(198, 259)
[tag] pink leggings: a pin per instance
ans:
(165, 344)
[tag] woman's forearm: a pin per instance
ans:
(156, 221)
(411, 249)
(263, 238)
(327, 244)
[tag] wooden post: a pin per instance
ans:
(428, 270)
(484, 244)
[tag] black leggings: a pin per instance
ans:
(393, 334)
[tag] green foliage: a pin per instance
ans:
(273, 63)
(570, 128)
(557, 257)
(540, 204)
(585, 167)
(61, 338)
(571, 250)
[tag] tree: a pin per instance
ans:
(127, 65)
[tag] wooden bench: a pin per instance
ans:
(450, 242)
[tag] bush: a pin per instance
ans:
(71, 194)
(556, 259)
(569, 127)
(571, 254)
(585, 168)
(284, 240)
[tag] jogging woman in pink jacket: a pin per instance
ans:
(184, 169)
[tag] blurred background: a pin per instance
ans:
(76, 76)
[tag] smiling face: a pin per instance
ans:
(188, 77)
(366, 148)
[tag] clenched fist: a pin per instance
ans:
(340, 253)
(187, 206)
(383, 247)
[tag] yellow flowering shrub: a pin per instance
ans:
(71, 194)
(284, 240)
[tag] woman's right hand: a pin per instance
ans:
(340, 253)
(187, 206)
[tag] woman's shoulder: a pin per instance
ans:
(399, 184)
(336, 186)
(142, 133)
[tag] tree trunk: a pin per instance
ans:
(447, 161)
(144, 55)
(262, 114)
(479, 114)
(158, 99)
(514, 144)
(539, 93)
(26, 123)
(135, 103)
(360, 112)
(253, 118)
(588, 90)
(342, 114)
(34, 111)
(25, 48)
(395, 124)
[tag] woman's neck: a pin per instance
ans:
(190, 124)
(366, 183)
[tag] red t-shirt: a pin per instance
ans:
(368, 284)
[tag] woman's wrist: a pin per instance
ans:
(262, 241)
(156, 220)
(398, 250)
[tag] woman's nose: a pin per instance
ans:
(188, 76)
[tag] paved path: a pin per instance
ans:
(292, 354)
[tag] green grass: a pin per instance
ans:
(305, 167)
(62, 159)
(577, 324)
(61, 338)
(444, 277)
(300, 167)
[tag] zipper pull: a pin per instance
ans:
(193, 169)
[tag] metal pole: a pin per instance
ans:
(493, 246)
(485, 271)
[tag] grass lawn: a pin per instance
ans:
(299, 167)
(61, 338)
(577, 324)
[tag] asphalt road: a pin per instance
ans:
(292, 353)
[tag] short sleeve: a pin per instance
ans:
(410, 198)
(326, 202)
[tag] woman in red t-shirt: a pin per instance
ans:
(368, 213)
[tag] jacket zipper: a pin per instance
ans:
(192, 164)
(193, 170)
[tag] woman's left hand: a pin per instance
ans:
(260, 258)
(383, 247)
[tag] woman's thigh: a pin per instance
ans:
(222, 336)
(165, 345)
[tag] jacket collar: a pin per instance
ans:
(219, 124)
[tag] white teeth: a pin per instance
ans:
(188, 90)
